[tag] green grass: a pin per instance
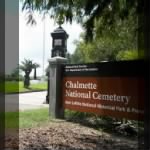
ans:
(33, 118)
(27, 118)
(12, 120)
(16, 87)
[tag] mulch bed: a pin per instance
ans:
(62, 135)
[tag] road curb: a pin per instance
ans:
(25, 92)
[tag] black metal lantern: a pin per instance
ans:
(59, 43)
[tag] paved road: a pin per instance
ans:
(25, 101)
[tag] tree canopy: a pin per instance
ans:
(26, 66)
(85, 12)
(118, 42)
(113, 28)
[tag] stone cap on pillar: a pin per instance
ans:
(57, 60)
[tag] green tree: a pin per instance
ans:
(27, 66)
(108, 42)
(16, 73)
(35, 66)
(128, 55)
(86, 12)
(107, 22)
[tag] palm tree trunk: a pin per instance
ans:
(26, 81)
(35, 74)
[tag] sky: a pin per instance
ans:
(31, 39)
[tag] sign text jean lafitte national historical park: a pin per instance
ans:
(113, 89)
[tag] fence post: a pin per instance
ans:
(56, 109)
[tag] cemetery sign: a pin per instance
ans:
(113, 89)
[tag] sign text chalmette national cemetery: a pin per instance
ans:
(107, 89)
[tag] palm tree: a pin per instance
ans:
(27, 66)
(35, 65)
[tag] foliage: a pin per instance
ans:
(110, 26)
(105, 123)
(16, 72)
(108, 43)
(70, 114)
(85, 12)
(27, 66)
(13, 78)
(127, 55)
(15, 75)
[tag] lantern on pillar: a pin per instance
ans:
(59, 43)
(59, 47)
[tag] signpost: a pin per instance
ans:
(95, 88)
(113, 89)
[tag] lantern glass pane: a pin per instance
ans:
(58, 42)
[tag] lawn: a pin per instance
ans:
(27, 118)
(17, 87)
(33, 118)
